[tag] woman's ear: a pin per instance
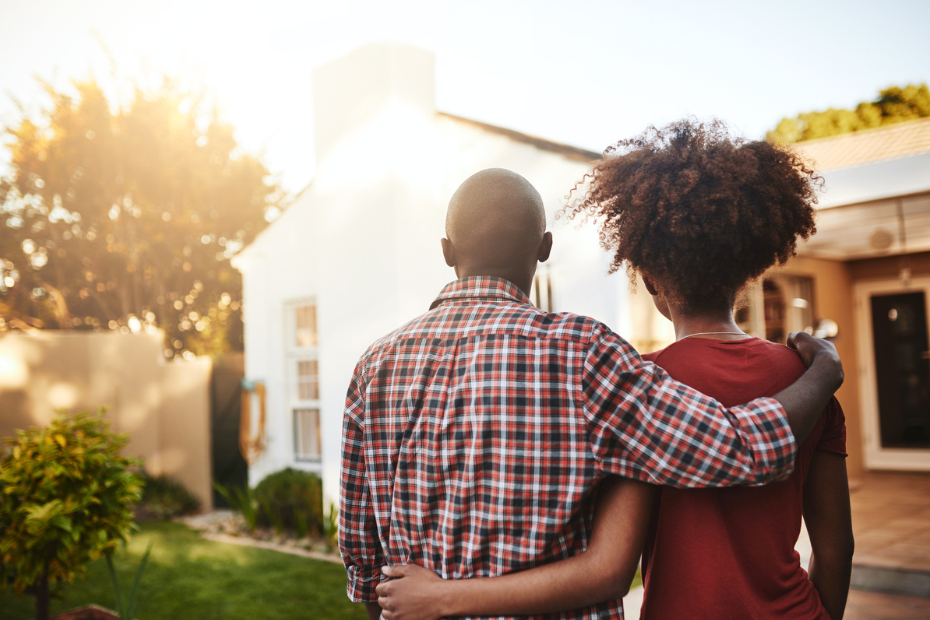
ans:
(650, 286)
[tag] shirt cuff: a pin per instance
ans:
(770, 438)
(361, 583)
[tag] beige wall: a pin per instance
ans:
(163, 406)
(889, 267)
(833, 299)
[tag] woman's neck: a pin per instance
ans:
(714, 325)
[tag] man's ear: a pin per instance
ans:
(650, 285)
(448, 252)
(545, 247)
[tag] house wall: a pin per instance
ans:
(833, 299)
(364, 241)
(163, 406)
(889, 267)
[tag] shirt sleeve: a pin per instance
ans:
(833, 438)
(646, 426)
(359, 541)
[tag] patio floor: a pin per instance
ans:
(891, 521)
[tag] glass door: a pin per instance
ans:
(902, 369)
(894, 379)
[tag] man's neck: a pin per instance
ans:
(523, 283)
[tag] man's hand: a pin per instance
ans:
(810, 348)
(413, 593)
(805, 399)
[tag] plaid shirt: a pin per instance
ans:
(474, 438)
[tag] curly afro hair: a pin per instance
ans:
(698, 212)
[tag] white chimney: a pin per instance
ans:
(348, 91)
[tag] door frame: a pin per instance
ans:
(877, 457)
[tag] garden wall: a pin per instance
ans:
(163, 406)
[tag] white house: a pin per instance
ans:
(357, 254)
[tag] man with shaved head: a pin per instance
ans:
(496, 225)
(475, 435)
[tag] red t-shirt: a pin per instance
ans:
(729, 553)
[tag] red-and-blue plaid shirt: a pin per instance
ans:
(475, 435)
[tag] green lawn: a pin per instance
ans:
(188, 577)
(191, 578)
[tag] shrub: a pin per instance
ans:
(67, 497)
(164, 498)
(242, 500)
(293, 500)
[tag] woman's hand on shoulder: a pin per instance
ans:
(412, 593)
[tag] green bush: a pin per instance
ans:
(291, 499)
(164, 498)
(66, 497)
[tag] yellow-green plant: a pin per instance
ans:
(66, 497)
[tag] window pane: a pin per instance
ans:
(307, 434)
(306, 325)
(308, 384)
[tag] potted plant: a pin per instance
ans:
(66, 497)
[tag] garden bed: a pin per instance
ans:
(230, 527)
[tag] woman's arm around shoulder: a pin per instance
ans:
(603, 572)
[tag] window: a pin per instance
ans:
(541, 292)
(777, 306)
(307, 434)
(305, 325)
(303, 378)
(308, 385)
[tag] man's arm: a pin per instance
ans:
(646, 426)
(806, 398)
(359, 541)
(603, 572)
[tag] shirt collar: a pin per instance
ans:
(480, 287)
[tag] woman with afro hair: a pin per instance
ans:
(697, 215)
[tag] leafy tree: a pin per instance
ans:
(66, 497)
(124, 217)
(892, 106)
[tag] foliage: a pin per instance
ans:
(242, 500)
(125, 216)
(893, 105)
(290, 497)
(67, 496)
(207, 580)
(165, 498)
(127, 608)
(331, 527)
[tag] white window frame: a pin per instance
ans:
(293, 354)
(541, 290)
(876, 456)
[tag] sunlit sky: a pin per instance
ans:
(584, 72)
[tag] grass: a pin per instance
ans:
(188, 577)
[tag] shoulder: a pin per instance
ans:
(574, 327)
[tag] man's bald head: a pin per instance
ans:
(496, 224)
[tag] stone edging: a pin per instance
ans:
(263, 544)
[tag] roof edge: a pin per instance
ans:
(572, 152)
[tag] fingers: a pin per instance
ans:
(395, 571)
